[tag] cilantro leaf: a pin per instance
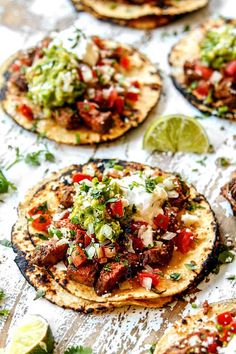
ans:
(175, 276)
(2, 294)
(191, 266)
(33, 158)
(5, 184)
(150, 185)
(5, 243)
(4, 312)
(40, 293)
(78, 350)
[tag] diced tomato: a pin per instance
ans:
(87, 240)
(233, 327)
(26, 111)
(132, 96)
(212, 348)
(112, 98)
(85, 106)
(35, 210)
(78, 256)
(15, 67)
(224, 318)
(225, 336)
(26, 61)
(136, 84)
(125, 62)
(155, 277)
(136, 225)
(184, 241)
(203, 71)
(161, 222)
(203, 89)
(42, 222)
(230, 68)
(119, 104)
(78, 177)
(99, 42)
(117, 208)
(138, 244)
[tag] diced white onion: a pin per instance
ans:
(59, 216)
(87, 73)
(169, 183)
(168, 236)
(90, 230)
(130, 246)
(106, 231)
(90, 250)
(216, 77)
(60, 266)
(189, 219)
(146, 235)
(147, 283)
(173, 194)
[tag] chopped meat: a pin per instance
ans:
(190, 74)
(226, 92)
(206, 307)
(111, 275)
(99, 122)
(115, 272)
(65, 223)
(66, 118)
(183, 190)
(50, 254)
(65, 196)
(159, 255)
(229, 192)
(200, 346)
(19, 81)
(85, 274)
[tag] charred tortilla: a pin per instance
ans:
(189, 263)
(142, 16)
(209, 89)
(103, 112)
(186, 331)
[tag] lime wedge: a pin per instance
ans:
(176, 133)
(34, 336)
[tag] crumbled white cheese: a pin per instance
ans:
(189, 219)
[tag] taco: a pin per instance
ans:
(203, 67)
(78, 90)
(112, 233)
(211, 330)
(142, 14)
(229, 192)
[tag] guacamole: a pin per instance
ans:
(219, 46)
(53, 80)
(90, 209)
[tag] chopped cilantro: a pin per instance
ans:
(41, 236)
(175, 276)
(202, 161)
(5, 184)
(223, 161)
(5, 243)
(77, 138)
(4, 312)
(2, 294)
(191, 266)
(40, 293)
(231, 277)
(107, 267)
(78, 350)
(150, 185)
(152, 348)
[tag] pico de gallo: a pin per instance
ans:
(212, 77)
(114, 224)
(76, 81)
(221, 340)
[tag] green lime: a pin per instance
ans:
(34, 336)
(176, 133)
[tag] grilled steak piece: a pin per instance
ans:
(66, 118)
(115, 272)
(99, 122)
(85, 274)
(183, 190)
(190, 74)
(226, 92)
(19, 81)
(229, 192)
(159, 255)
(50, 254)
(65, 196)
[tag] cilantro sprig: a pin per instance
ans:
(5, 185)
(78, 350)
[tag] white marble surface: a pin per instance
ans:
(132, 330)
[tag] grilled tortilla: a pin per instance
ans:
(184, 334)
(142, 16)
(93, 97)
(208, 84)
(180, 261)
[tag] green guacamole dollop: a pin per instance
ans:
(53, 80)
(219, 46)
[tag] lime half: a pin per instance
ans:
(34, 336)
(176, 133)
